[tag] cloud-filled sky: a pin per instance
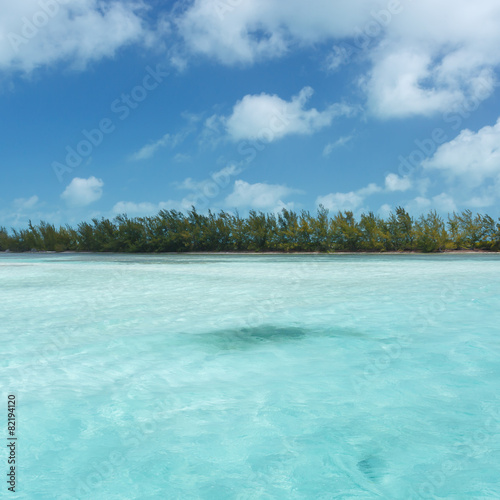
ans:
(134, 106)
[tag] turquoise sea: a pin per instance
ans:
(252, 376)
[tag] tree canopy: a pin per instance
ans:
(286, 231)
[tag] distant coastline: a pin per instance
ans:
(361, 252)
(286, 232)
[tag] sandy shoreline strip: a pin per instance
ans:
(411, 252)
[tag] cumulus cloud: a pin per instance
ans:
(347, 201)
(425, 57)
(268, 117)
(434, 57)
(340, 201)
(471, 156)
(395, 183)
(82, 192)
(35, 34)
(394, 89)
(259, 196)
(252, 30)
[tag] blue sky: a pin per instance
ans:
(121, 106)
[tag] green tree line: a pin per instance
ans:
(286, 231)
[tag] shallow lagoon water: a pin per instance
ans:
(253, 376)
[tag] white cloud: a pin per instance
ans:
(395, 183)
(347, 201)
(25, 203)
(212, 131)
(426, 57)
(259, 196)
(21, 210)
(337, 58)
(268, 117)
(394, 88)
(221, 178)
(471, 156)
(200, 194)
(353, 200)
(168, 140)
(35, 33)
(340, 201)
(149, 150)
(481, 201)
(372, 188)
(385, 210)
(341, 141)
(251, 30)
(142, 209)
(441, 203)
(444, 202)
(134, 209)
(434, 56)
(81, 192)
